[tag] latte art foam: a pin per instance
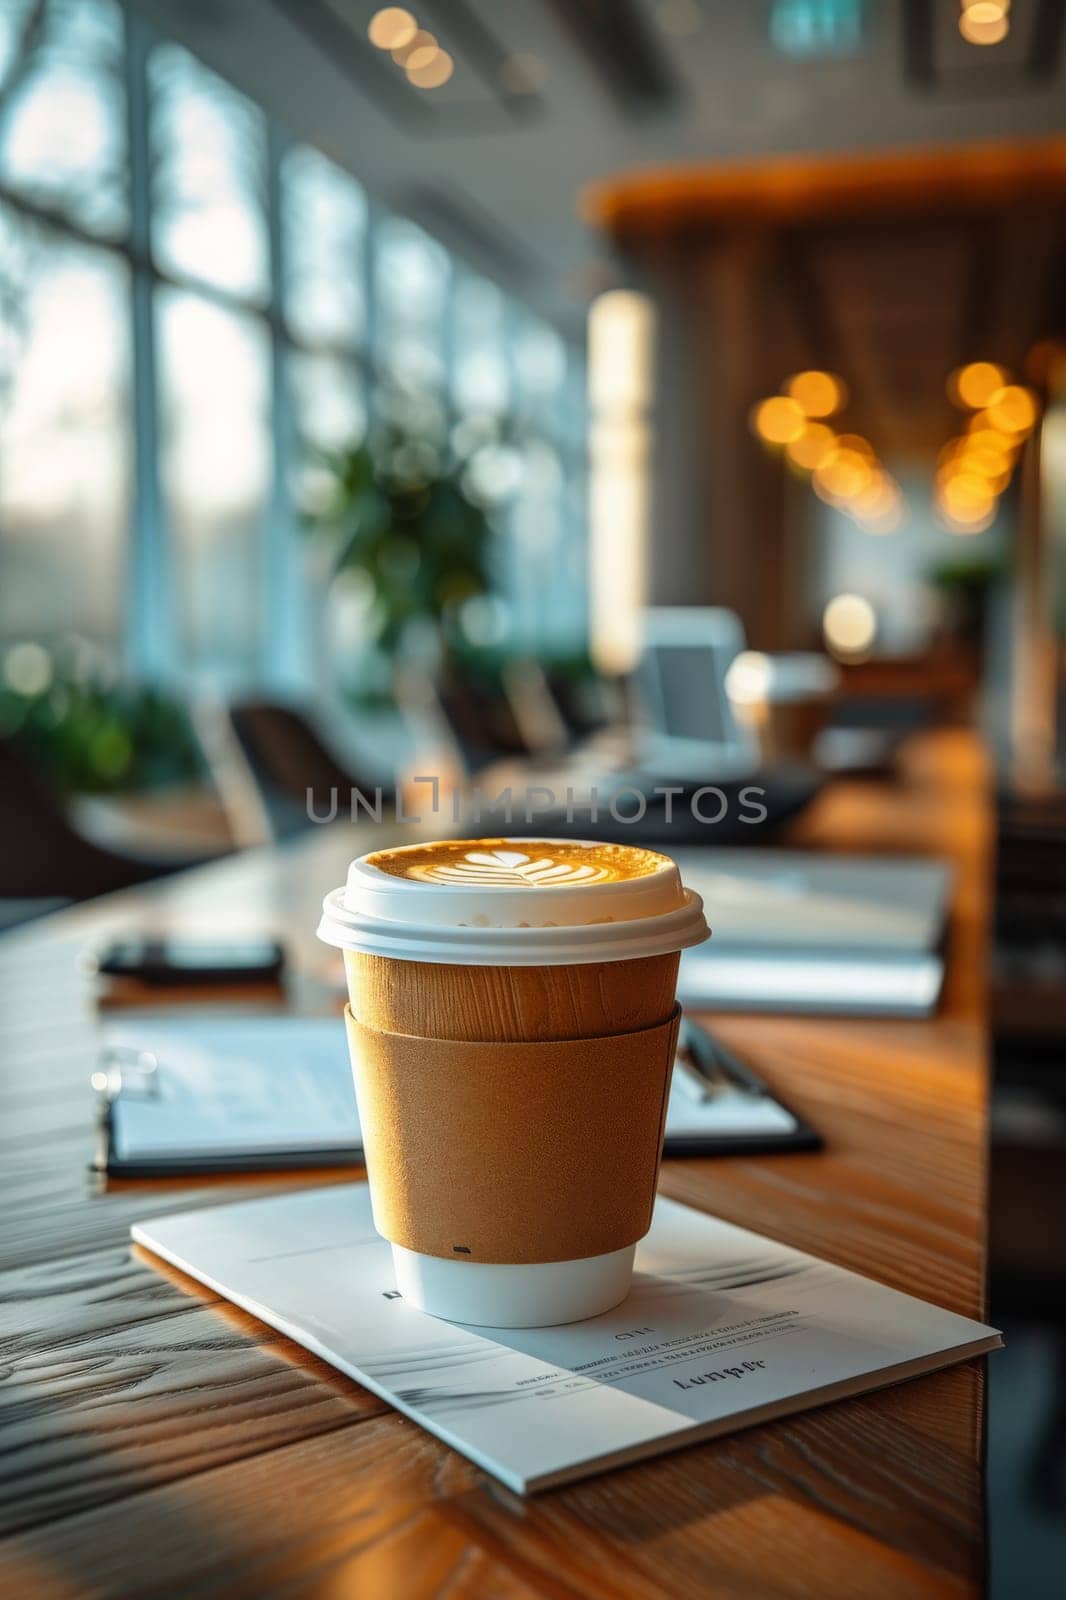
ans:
(509, 867)
(517, 864)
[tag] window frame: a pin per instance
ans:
(150, 649)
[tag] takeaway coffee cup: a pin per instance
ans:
(512, 1023)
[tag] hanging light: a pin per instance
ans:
(984, 22)
(849, 624)
(974, 385)
(778, 420)
(1013, 409)
(391, 28)
(810, 448)
(818, 394)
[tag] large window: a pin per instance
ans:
(194, 312)
(208, 166)
(62, 110)
(64, 433)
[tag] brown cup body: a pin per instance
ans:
(512, 1114)
(506, 1004)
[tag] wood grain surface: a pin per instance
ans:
(157, 1442)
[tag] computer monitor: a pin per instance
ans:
(685, 724)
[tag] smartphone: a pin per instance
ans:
(170, 963)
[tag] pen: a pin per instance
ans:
(703, 1068)
(698, 1080)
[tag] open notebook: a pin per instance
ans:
(723, 1328)
(200, 1094)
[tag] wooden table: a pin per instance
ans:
(155, 1441)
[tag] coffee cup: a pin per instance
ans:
(512, 1023)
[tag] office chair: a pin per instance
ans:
(45, 857)
(291, 766)
(481, 722)
(590, 704)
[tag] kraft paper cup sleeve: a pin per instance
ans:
(513, 1152)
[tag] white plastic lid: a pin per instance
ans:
(513, 924)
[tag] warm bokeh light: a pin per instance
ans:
(849, 625)
(996, 481)
(844, 473)
(972, 522)
(856, 442)
(437, 70)
(986, 10)
(971, 519)
(392, 28)
(818, 394)
(987, 459)
(621, 357)
(747, 682)
(421, 56)
(981, 435)
(984, 22)
(966, 493)
(811, 447)
(877, 502)
(1013, 409)
(778, 420)
(621, 327)
(972, 473)
(974, 469)
(974, 385)
(421, 39)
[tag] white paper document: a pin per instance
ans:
(723, 1328)
(248, 1086)
(799, 932)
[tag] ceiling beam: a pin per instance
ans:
(955, 180)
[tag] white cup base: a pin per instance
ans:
(490, 1295)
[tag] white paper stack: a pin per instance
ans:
(723, 1329)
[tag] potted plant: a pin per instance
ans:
(405, 514)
